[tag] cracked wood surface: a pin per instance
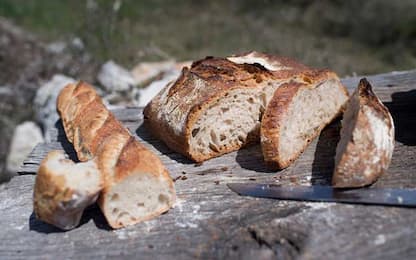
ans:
(210, 221)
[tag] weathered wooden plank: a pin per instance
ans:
(209, 221)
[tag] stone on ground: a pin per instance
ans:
(25, 137)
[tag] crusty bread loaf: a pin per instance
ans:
(367, 140)
(137, 186)
(297, 113)
(215, 107)
(64, 189)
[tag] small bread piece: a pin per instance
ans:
(215, 106)
(137, 186)
(64, 189)
(297, 113)
(367, 140)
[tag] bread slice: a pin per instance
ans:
(215, 106)
(64, 189)
(297, 113)
(137, 186)
(367, 140)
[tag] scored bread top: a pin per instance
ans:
(172, 113)
(91, 125)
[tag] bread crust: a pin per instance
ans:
(96, 133)
(57, 202)
(363, 161)
(271, 121)
(277, 109)
(54, 189)
(173, 112)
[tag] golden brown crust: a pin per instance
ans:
(172, 113)
(128, 154)
(92, 129)
(271, 121)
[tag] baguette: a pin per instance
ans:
(64, 189)
(136, 185)
(366, 146)
(215, 106)
(297, 113)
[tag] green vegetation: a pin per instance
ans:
(348, 36)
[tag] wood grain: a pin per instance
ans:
(210, 221)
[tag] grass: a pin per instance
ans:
(347, 36)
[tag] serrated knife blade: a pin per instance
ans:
(368, 196)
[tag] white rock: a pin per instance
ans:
(25, 137)
(6, 91)
(115, 78)
(77, 43)
(56, 47)
(380, 239)
(146, 94)
(45, 102)
(164, 72)
(145, 72)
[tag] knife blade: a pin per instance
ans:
(367, 196)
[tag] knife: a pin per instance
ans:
(367, 196)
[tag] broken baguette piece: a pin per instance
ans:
(137, 186)
(297, 113)
(367, 140)
(63, 189)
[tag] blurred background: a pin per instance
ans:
(138, 45)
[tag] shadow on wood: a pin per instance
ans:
(67, 146)
(403, 111)
(144, 134)
(42, 227)
(91, 213)
(323, 161)
(251, 158)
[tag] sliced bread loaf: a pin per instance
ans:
(367, 140)
(215, 107)
(297, 113)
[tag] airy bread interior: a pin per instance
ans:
(82, 177)
(309, 112)
(134, 197)
(231, 121)
(348, 123)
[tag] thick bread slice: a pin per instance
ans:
(215, 107)
(367, 140)
(64, 189)
(297, 113)
(136, 197)
(137, 186)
